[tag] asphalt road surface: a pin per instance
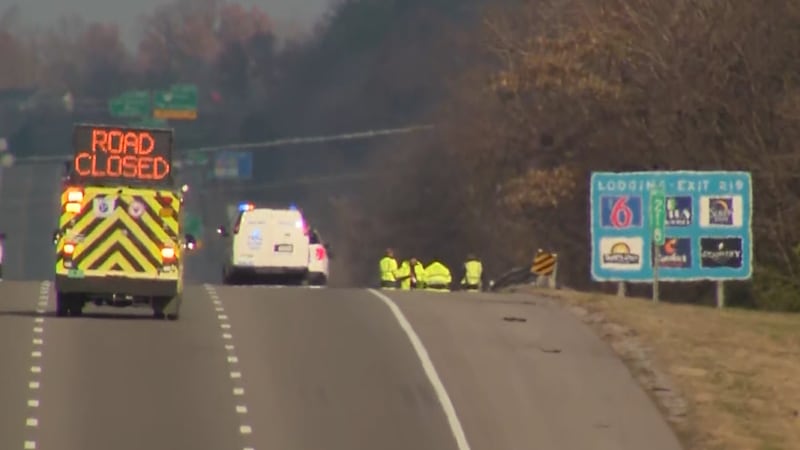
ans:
(311, 369)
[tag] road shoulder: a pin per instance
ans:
(524, 372)
(724, 379)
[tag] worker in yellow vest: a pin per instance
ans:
(437, 277)
(388, 270)
(411, 274)
(473, 274)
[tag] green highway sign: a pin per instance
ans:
(197, 158)
(130, 104)
(149, 122)
(658, 215)
(179, 102)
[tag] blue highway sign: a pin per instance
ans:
(708, 226)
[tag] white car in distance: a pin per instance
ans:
(318, 260)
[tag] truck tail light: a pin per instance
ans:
(168, 254)
(67, 252)
(75, 196)
(74, 200)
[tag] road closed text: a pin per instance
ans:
(126, 154)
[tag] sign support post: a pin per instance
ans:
(657, 224)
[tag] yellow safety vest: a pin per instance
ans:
(405, 271)
(388, 269)
(437, 277)
(473, 270)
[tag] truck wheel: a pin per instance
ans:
(158, 308)
(69, 304)
(167, 307)
(62, 304)
(76, 305)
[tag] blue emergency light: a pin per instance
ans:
(245, 207)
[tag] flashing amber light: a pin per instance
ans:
(73, 207)
(75, 196)
(69, 249)
(168, 253)
(165, 200)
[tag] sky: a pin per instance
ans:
(300, 14)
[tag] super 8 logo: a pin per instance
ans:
(621, 211)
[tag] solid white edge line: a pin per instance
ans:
(430, 371)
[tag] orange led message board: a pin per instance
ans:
(111, 154)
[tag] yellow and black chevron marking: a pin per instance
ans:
(119, 242)
(544, 263)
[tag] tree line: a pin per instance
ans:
(528, 97)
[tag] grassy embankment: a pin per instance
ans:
(726, 379)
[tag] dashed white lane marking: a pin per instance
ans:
(32, 422)
(430, 371)
(235, 374)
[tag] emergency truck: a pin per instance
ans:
(119, 239)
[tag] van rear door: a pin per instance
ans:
(273, 238)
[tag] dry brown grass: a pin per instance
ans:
(738, 371)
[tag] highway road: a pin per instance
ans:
(309, 369)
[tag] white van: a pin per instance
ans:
(266, 244)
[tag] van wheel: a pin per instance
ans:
(318, 280)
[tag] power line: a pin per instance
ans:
(316, 139)
(265, 144)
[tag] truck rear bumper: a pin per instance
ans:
(117, 285)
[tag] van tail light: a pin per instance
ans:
(320, 253)
(303, 226)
